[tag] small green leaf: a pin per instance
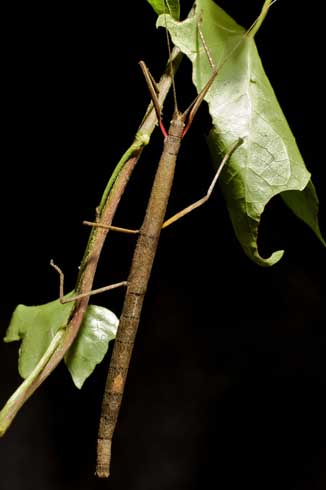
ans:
(98, 328)
(171, 7)
(242, 104)
(36, 326)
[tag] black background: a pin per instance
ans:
(227, 382)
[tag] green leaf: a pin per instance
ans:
(242, 104)
(99, 327)
(305, 205)
(171, 7)
(36, 326)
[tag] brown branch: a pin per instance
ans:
(98, 234)
(95, 244)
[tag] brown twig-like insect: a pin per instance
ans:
(145, 250)
(143, 258)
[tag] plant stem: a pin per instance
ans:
(16, 400)
(261, 17)
(105, 213)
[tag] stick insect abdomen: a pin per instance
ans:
(137, 284)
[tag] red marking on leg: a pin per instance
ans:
(164, 131)
(187, 126)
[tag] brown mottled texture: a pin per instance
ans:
(137, 284)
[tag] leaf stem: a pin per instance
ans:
(141, 139)
(261, 18)
(17, 399)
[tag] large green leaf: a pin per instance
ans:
(242, 104)
(36, 326)
(99, 327)
(166, 6)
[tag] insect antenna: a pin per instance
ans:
(168, 42)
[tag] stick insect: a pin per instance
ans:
(145, 250)
(143, 258)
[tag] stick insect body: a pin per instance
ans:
(142, 262)
(145, 251)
